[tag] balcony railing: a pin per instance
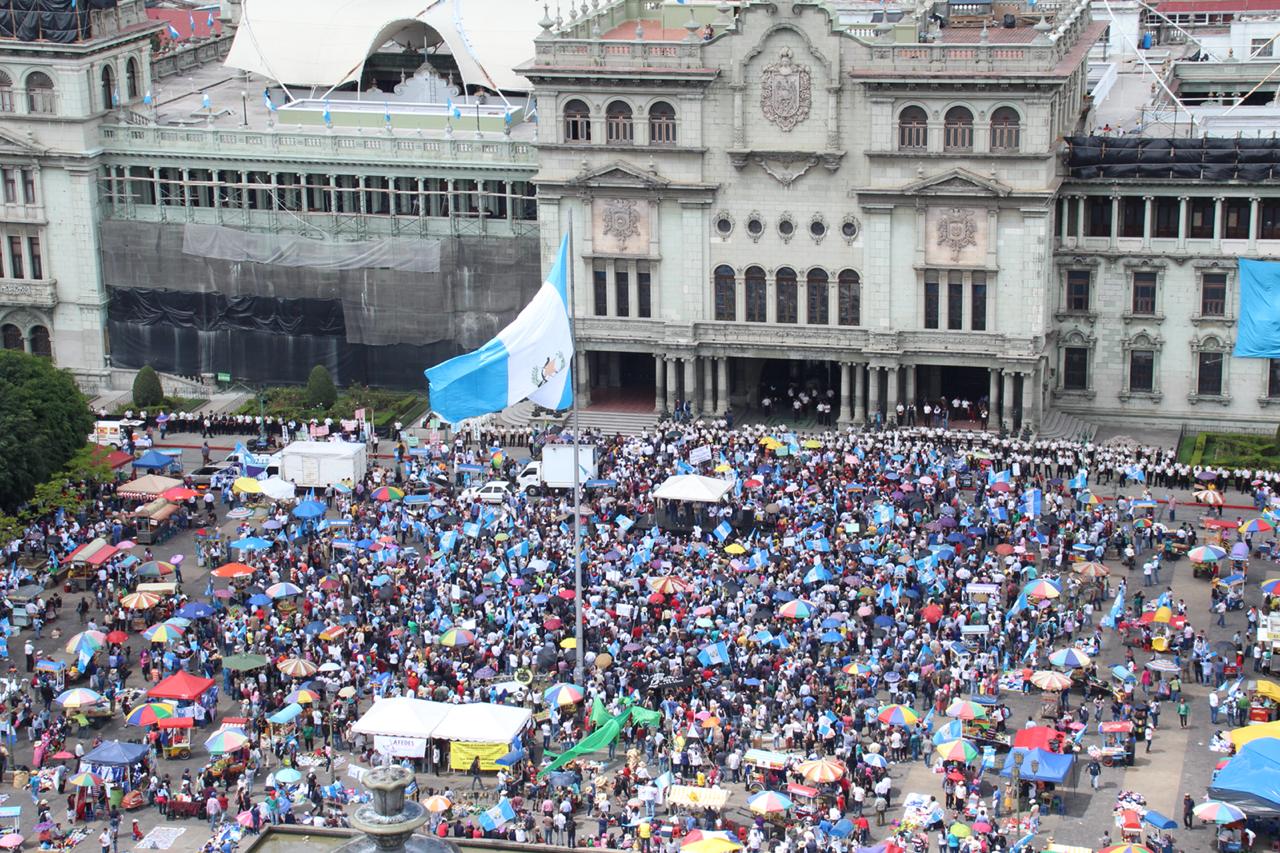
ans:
(31, 293)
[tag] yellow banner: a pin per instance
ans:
(461, 753)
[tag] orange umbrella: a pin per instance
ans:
(232, 570)
(821, 770)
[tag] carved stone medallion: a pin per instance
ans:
(957, 231)
(786, 92)
(621, 220)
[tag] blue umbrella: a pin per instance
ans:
(830, 622)
(783, 595)
(832, 637)
(309, 509)
(365, 543)
(843, 828)
(883, 621)
(259, 599)
(315, 627)
(195, 610)
(250, 543)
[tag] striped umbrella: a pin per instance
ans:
(1256, 525)
(333, 632)
(78, 697)
(1271, 587)
(796, 609)
(1042, 588)
(898, 715)
(163, 632)
(283, 590)
(1218, 812)
(821, 770)
(964, 709)
(1047, 679)
(85, 780)
(226, 740)
(855, 668)
(140, 601)
(957, 750)
(669, 584)
(769, 802)
(151, 713)
(386, 493)
(437, 803)
(1092, 570)
(1206, 554)
(1212, 497)
(563, 694)
(1125, 848)
(1069, 658)
(155, 569)
(457, 637)
(302, 696)
(875, 759)
(297, 667)
(88, 641)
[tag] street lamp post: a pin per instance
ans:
(1018, 758)
(244, 108)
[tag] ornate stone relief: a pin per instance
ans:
(786, 92)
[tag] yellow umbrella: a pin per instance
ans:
(715, 844)
(1162, 614)
(247, 485)
(735, 548)
(568, 643)
(1244, 735)
(811, 444)
(724, 468)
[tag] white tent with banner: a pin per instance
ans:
(693, 488)
(402, 727)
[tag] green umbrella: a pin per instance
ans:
(241, 663)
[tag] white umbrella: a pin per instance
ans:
(278, 489)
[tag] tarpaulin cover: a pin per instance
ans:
(1251, 780)
(1049, 766)
(63, 21)
(182, 686)
(1206, 158)
(114, 753)
(287, 250)
(153, 459)
(1258, 331)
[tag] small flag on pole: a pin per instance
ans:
(147, 99)
(266, 99)
(326, 115)
(205, 102)
(174, 34)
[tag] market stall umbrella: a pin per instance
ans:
(117, 636)
(302, 696)
(250, 543)
(964, 709)
(713, 844)
(1218, 812)
(162, 632)
(239, 513)
(797, 609)
(225, 740)
(668, 584)
(1092, 570)
(283, 589)
(1210, 497)
(78, 697)
(309, 509)
(1126, 848)
(288, 776)
(1069, 658)
(957, 750)
(1206, 554)
(457, 637)
(437, 803)
(1271, 587)
(1042, 588)
(1047, 679)
(151, 713)
(386, 493)
(86, 641)
(178, 494)
(155, 569)
(140, 601)
(10, 840)
(563, 694)
(85, 780)
(821, 770)
(333, 632)
(898, 715)
(195, 610)
(769, 802)
(297, 667)
(1256, 525)
(246, 486)
(232, 570)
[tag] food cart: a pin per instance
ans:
(153, 522)
(1118, 743)
(175, 736)
(766, 770)
(1231, 588)
(82, 563)
(1264, 701)
(1269, 637)
(55, 669)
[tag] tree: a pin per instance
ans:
(147, 392)
(321, 392)
(44, 420)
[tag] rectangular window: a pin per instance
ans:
(1201, 214)
(1075, 369)
(931, 299)
(1072, 214)
(1209, 377)
(849, 306)
(1269, 219)
(644, 305)
(817, 300)
(1079, 283)
(10, 186)
(1273, 378)
(1133, 210)
(978, 301)
(1260, 48)
(785, 285)
(1235, 215)
(37, 264)
(600, 291)
(15, 258)
(1098, 218)
(1142, 370)
(955, 300)
(1168, 213)
(622, 286)
(28, 186)
(1144, 293)
(757, 295)
(1213, 294)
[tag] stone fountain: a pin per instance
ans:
(389, 821)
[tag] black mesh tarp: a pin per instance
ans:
(63, 21)
(1212, 159)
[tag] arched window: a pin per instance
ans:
(785, 287)
(849, 298)
(913, 129)
(957, 130)
(662, 124)
(109, 94)
(41, 97)
(757, 295)
(6, 93)
(617, 123)
(1005, 130)
(131, 79)
(577, 122)
(41, 345)
(726, 286)
(12, 337)
(817, 305)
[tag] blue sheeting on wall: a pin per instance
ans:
(1258, 332)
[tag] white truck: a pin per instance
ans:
(113, 433)
(316, 464)
(555, 469)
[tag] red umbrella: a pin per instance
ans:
(117, 636)
(1000, 487)
(566, 594)
(657, 598)
(931, 613)
(551, 623)
(1004, 549)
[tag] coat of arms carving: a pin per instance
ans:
(957, 231)
(786, 93)
(621, 220)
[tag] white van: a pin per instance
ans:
(113, 433)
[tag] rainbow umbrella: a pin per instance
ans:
(669, 584)
(1125, 848)
(457, 637)
(964, 709)
(386, 493)
(1042, 588)
(283, 590)
(563, 694)
(1047, 679)
(78, 697)
(1218, 812)
(297, 667)
(1206, 554)
(855, 668)
(1271, 587)
(151, 713)
(957, 750)
(796, 609)
(85, 780)
(898, 715)
(769, 802)
(711, 844)
(163, 632)
(1069, 658)
(155, 569)
(1256, 525)
(86, 641)
(821, 770)
(302, 696)
(226, 740)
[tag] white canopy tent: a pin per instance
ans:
(692, 488)
(324, 43)
(407, 717)
(278, 489)
(402, 716)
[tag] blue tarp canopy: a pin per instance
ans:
(1158, 820)
(1251, 780)
(1258, 331)
(287, 714)
(1048, 766)
(153, 459)
(114, 753)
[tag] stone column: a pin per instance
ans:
(912, 393)
(891, 394)
(708, 386)
(1006, 402)
(691, 383)
(583, 379)
(722, 385)
(1080, 203)
(873, 391)
(1217, 220)
(846, 395)
(1037, 397)
(1115, 220)
(859, 404)
(1148, 219)
(659, 384)
(672, 383)
(1253, 223)
(993, 401)
(1184, 221)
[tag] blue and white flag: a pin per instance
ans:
(624, 523)
(723, 530)
(999, 477)
(1079, 481)
(1019, 605)
(266, 99)
(147, 99)
(205, 103)
(174, 34)
(209, 23)
(191, 22)
(495, 817)
(326, 116)
(1032, 503)
(448, 540)
(714, 654)
(1133, 472)
(529, 360)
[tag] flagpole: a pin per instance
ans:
(577, 475)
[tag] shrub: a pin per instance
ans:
(320, 388)
(146, 388)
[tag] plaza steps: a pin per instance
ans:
(1061, 425)
(608, 421)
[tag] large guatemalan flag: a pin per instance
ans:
(528, 360)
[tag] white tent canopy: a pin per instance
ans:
(402, 716)
(278, 489)
(692, 488)
(325, 43)
(407, 717)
